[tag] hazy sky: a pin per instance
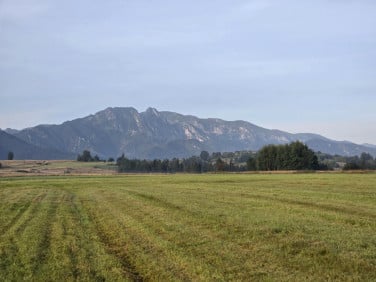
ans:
(299, 66)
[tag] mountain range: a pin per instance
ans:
(155, 134)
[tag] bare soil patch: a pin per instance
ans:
(55, 168)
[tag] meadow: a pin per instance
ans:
(213, 227)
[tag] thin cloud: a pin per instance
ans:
(18, 10)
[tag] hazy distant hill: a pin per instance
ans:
(369, 145)
(154, 134)
(22, 150)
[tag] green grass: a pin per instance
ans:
(311, 227)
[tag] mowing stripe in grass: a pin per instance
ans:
(43, 247)
(189, 237)
(29, 216)
(15, 219)
(184, 227)
(20, 243)
(23, 215)
(75, 251)
(323, 251)
(310, 204)
(107, 236)
(131, 236)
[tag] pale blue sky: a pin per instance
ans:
(299, 66)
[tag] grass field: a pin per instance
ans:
(277, 227)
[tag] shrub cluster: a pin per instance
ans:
(86, 157)
(293, 156)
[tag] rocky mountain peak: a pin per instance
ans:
(152, 112)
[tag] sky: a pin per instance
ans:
(297, 66)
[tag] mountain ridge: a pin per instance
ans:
(164, 134)
(24, 150)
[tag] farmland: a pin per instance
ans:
(242, 227)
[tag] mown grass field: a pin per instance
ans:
(282, 227)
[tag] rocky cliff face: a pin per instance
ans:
(153, 134)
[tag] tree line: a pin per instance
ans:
(293, 156)
(364, 162)
(336, 162)
(191, 165)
